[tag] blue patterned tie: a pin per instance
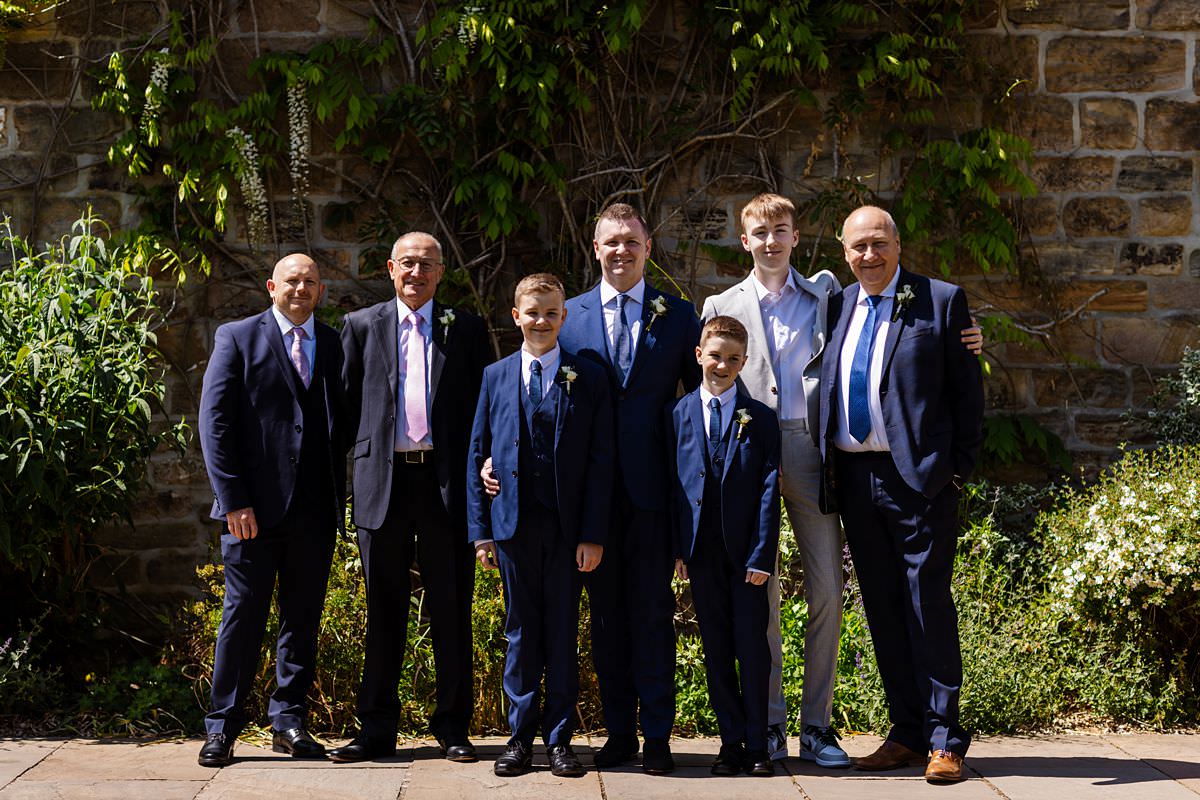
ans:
(535, 383)
(714, 427)
(621, 342)
(860, 371)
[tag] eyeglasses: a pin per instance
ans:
(412, 265)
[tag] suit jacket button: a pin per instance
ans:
(701, 473)
(298, 429)
(699, 500)
(291, 459)
(774, 390)
(514, 473)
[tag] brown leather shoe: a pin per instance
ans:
(944, 767)
(890, 755)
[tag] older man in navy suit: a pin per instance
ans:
(901, 422)
(412, 374)
(271, 418)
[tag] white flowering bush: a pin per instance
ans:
(1126, 550)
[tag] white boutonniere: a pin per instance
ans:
(568, 376)
(447, 319)
(742, 418)
(658, 307)
(903, 298)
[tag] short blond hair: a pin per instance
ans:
(769, 207)
(538, 283)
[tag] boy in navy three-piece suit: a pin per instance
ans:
(725, 513)
(545, 419)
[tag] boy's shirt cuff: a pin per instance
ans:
(759, 571)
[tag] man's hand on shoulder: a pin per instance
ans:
(242, 523)
(491, 484)
(972, 338)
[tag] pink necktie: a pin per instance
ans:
(414, 381)
(299, 360)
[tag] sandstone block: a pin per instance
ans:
(1096, 216)
(1112, 430)
(1148, 341)
(345, 17)
(1112, 295)
(1081, 174)
(1008, 389)
(109, 18)
(1102, 388)
(1125, 64)
(1075, 339)
(697, 221)
(1143, 258)
(56, 216)
(1108, 123)
(1001, 59)
(279, 16)
(1194, 264)
(1168, 15)
(1063, 259)
(1181, 293)
(1154, 174)
(1039, 215)
(1165, 215)
(1046, 120)
(1172, 124)
(1100, 15)
(45, 70)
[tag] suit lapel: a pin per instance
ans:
(749, 312)
(384, 332)
(646, 336)
(696, 416)
(739, 401)
(437, 354)
(561, 399)
(838, 336)
(822, 301)
(894, 328)
(270, 329)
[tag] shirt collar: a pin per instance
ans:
(726, 397)
(426, 312)
(761, 291)
(637, 294)
(548, 360)
(285, 325)
(888, 291)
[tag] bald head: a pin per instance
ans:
(871, 243)
(295, 287)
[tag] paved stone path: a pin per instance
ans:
(1068, 767)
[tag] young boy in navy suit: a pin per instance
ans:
(545, 419)
(726, 518)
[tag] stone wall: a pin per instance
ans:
(1105, 89)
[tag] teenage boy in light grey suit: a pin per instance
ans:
(786, 317)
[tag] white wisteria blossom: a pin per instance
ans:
(156, 92)
(249, 177)
(299, 136)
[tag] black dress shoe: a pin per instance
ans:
(458, 749)
(759, 764)
(298, 742)
(563, 761)
(730, 760)
(616, 751)
(516, 760)
(363, 749)
(217, 751)
(656, 757)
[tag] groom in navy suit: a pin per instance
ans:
(271, 419)
(901, 421)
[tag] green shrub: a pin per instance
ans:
(79, 381)
(1175, 418)
(26, 684)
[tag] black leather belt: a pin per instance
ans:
(414, 456)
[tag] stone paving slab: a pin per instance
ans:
(1069, 767)
(19, 756)
(1079, 767)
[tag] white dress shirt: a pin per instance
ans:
(728, 399)
(549, 362)
(308, 344)
(877, 440)
(633, 314)
(788, 317)
(403, 331)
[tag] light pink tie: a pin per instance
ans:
(298, 358)
(414, 381)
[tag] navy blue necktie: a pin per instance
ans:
(860, 373)
(535, 383)
(714, 427)
(621, 341)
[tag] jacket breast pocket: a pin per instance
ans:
(362, 448)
